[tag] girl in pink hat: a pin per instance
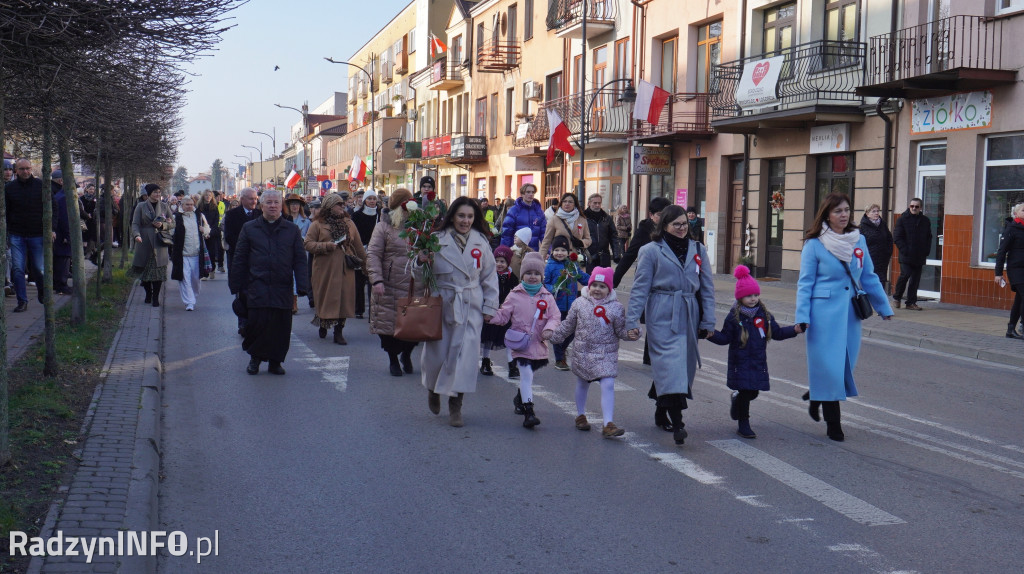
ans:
(598, 321)
(747, 330)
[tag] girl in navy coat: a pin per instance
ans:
(747, 330)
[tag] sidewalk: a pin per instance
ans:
(114, 489)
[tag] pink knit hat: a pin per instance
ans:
(532, 262)
(602, 275)
(745, 284)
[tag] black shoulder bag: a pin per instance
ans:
(861, 305)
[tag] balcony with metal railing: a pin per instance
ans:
(566, 17)
(685, 117)
(955, 54)
(498, 57)
(445, 74)
(609, 121)
(817, 83)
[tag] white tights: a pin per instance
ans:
(607, 397)
(526, 383)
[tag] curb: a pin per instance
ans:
(881, 334)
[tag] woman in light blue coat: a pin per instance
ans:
(832, 246)
(673, 284)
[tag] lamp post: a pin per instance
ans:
(373, 109)
(248, 175)
(273, 150)
(305, 125)
(628, 95)
(259, 149)
(398, 148)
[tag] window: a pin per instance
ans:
(494, 115)
(412, 40)
(667, 75)
(776, 200)
(553, 87)
(456, 50)
(663, 186)
(577, 79)
(513, 23)
(527, 19)
(778, 28)
(1004, 188)
(481, 117)
(709, 53)
(479, 41)
(840, 33)
(509, 101)
(835, 174)
(598, 80)
(622, 64)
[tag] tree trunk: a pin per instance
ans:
(5, 421)
(108, 216)
(130, 191)
(75, 224)
(101, 221)
(46, 281)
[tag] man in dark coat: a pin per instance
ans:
(24, 196)
(62, 242)
(234, 219)
(268, 258)
(640, 238)
(879, 239)
(602, 230)
(913, 236)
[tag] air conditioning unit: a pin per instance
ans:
(534, 91)
(413, 115)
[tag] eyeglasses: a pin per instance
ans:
(678, 226)
(915, 207)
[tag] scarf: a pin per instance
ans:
(840, 245)
(748, 312)
(570, 217)
(460, 239)
(679, 245)
(875, 222)
(371, 211)
(337, 225)
(531, 290)
(1018, 221)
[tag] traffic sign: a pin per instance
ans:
(326, 184)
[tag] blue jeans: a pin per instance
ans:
(34, 248)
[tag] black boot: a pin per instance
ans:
(513, 372)
(339, 337)
(407, 361)
(814, 407)
(156, 293)
(149, 291)
(830, 409)
(517, 402)
(485, 367)
(275, 368)
(679, 433)
(530, 420)
(254, 366)
(396, 369)
(661, 419)
(1011, 332)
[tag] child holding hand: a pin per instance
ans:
(493, 336)
(747, 329)
(598, 320)
(561, 275)
(532, 312)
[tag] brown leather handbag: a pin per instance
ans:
(418, 318)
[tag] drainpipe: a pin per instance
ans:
(886, 155)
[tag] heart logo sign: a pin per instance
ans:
(760, 71)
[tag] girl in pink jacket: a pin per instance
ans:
(598, 320)
(529, 304)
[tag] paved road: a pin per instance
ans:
(338, 467)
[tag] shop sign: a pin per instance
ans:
(757, 85)
(830, 139)
(651, 160)
(968, 111)
(469, 148)
(681, 197)
(530, 163)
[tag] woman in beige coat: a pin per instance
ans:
(468, 286)
(569, 223)
(389, 270)
(330, 237)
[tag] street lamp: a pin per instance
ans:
(628, 95)
(273, 150)
(373, 110)
(247, 174)
(259, 149)
(305, 124)
(397, 147)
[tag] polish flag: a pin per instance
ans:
(437, 47)
(292, 180)
(650, 100)
(358, 170)
(559, 135)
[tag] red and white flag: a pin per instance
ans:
(358, 170)
(292, 180)
(559, 135)
(437, 47)
(650, 100)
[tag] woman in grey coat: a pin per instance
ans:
(150, 259)
(673, 284)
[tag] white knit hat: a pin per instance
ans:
(524, 235)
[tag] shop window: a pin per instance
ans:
(1004, 188)
(709, 53)
(776, 200)
(835, 174)
(662, 186)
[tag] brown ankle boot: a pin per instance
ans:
(582, 423)
(434, 402)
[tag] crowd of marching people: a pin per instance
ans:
(512, 286)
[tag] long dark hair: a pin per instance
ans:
(668, 215)
(575, 200)
(831, 201)
(478, 215)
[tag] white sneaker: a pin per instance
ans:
(189, 308)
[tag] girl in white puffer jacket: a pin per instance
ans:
(599, 321)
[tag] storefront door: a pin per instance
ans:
(734, 249)
(931, 188)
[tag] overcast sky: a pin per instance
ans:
(234, 89)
